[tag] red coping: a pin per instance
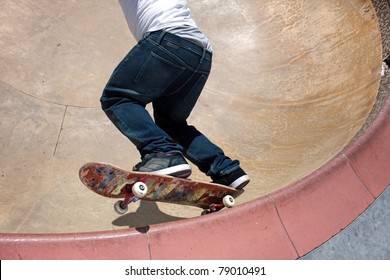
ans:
(283, 225)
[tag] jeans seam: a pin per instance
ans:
(190, 94)
(184, 47)
(160, 47)
(158, 40)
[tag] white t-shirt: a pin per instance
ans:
(145, 16)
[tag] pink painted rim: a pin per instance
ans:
(285, 224)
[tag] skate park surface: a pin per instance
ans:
(298, 93)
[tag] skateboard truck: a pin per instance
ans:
(228, 201)
(133, 194)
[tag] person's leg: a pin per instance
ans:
(172, 111)
(209, 158)
(141, 77)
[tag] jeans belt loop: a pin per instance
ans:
(161, 37)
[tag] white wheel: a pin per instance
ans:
(118, 208)
(139, 189)
(228, 201)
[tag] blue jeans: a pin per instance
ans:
(169, 72)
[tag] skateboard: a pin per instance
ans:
(131, 186)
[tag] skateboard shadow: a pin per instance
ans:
(147, 214)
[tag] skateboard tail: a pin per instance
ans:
(106, 181)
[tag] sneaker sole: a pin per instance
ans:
(240, 183)
(181, 171)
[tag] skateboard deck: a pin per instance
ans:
(114, 182)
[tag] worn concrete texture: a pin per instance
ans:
(368, 237)
(285, 96)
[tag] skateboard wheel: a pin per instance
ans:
(228, 201)
(119, 209)
(139, 189)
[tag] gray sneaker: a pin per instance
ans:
(172, 164)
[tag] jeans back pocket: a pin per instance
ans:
(156, 75)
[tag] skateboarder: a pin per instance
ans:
(168, 68)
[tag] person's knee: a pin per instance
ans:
(105, 100)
